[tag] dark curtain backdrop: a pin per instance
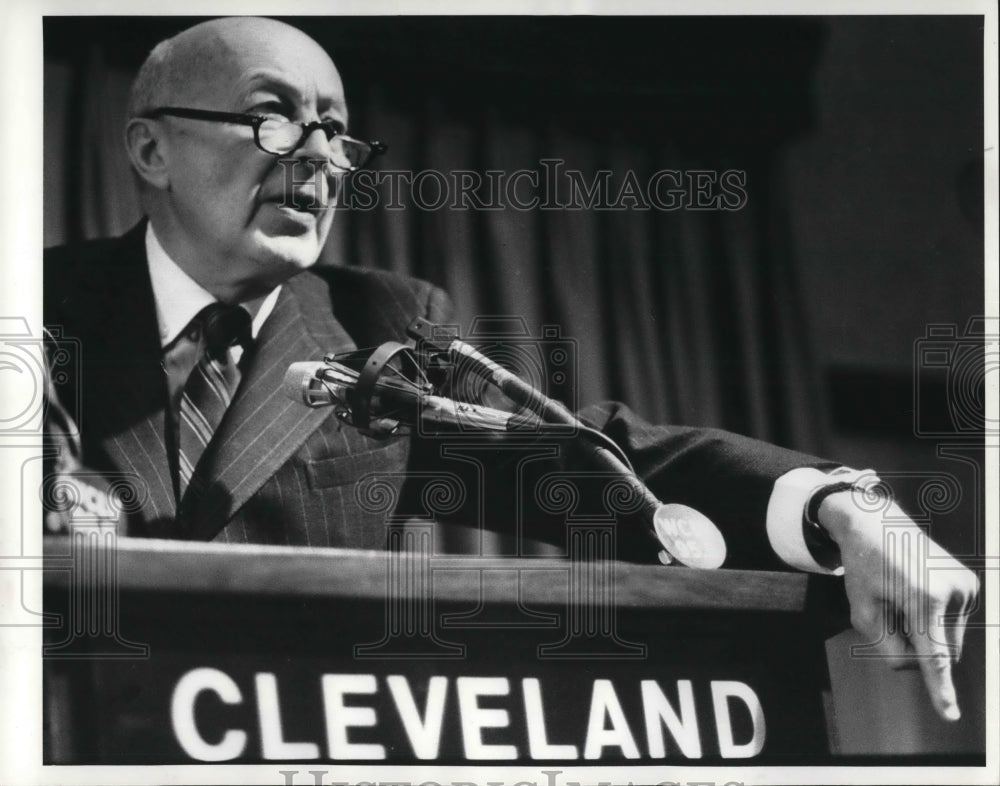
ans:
(688, 316)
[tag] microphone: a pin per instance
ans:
(318, 383)
(395, 404)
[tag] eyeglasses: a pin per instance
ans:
(279, 137)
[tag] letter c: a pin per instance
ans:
(182, 715)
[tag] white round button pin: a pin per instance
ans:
(689, 536)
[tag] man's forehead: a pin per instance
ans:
(240, 57)
(295, 76)
(298, 87)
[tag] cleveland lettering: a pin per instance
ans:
(500, 719)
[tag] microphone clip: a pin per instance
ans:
(391, 368)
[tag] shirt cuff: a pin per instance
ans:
(785, 511)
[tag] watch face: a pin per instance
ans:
(689, 537)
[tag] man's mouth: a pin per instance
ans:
(301, 200)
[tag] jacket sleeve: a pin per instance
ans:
(726, 476)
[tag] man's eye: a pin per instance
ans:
(271, 109)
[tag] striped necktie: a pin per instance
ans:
(212, 384)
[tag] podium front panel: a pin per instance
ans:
(254, 654)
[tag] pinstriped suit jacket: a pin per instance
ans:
(276, 471)
(279, 472)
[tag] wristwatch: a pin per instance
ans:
(821, 546)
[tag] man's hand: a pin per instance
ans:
(907, 595)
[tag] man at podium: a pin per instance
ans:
(238, 136)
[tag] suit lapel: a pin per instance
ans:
(124, 376)
(264, 427)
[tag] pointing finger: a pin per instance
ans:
(935, 664)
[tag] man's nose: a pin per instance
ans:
(315, 145)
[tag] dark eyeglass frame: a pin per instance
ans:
(328, 127)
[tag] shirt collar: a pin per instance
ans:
(179, 297)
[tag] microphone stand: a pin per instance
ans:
(681, 533)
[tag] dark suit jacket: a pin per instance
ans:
(279, 472)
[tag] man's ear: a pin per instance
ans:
(146, 149)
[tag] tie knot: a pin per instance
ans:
(224, 326)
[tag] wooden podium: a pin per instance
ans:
(173, 652)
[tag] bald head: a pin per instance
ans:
(178, 68)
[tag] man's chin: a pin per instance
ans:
(288, 255)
